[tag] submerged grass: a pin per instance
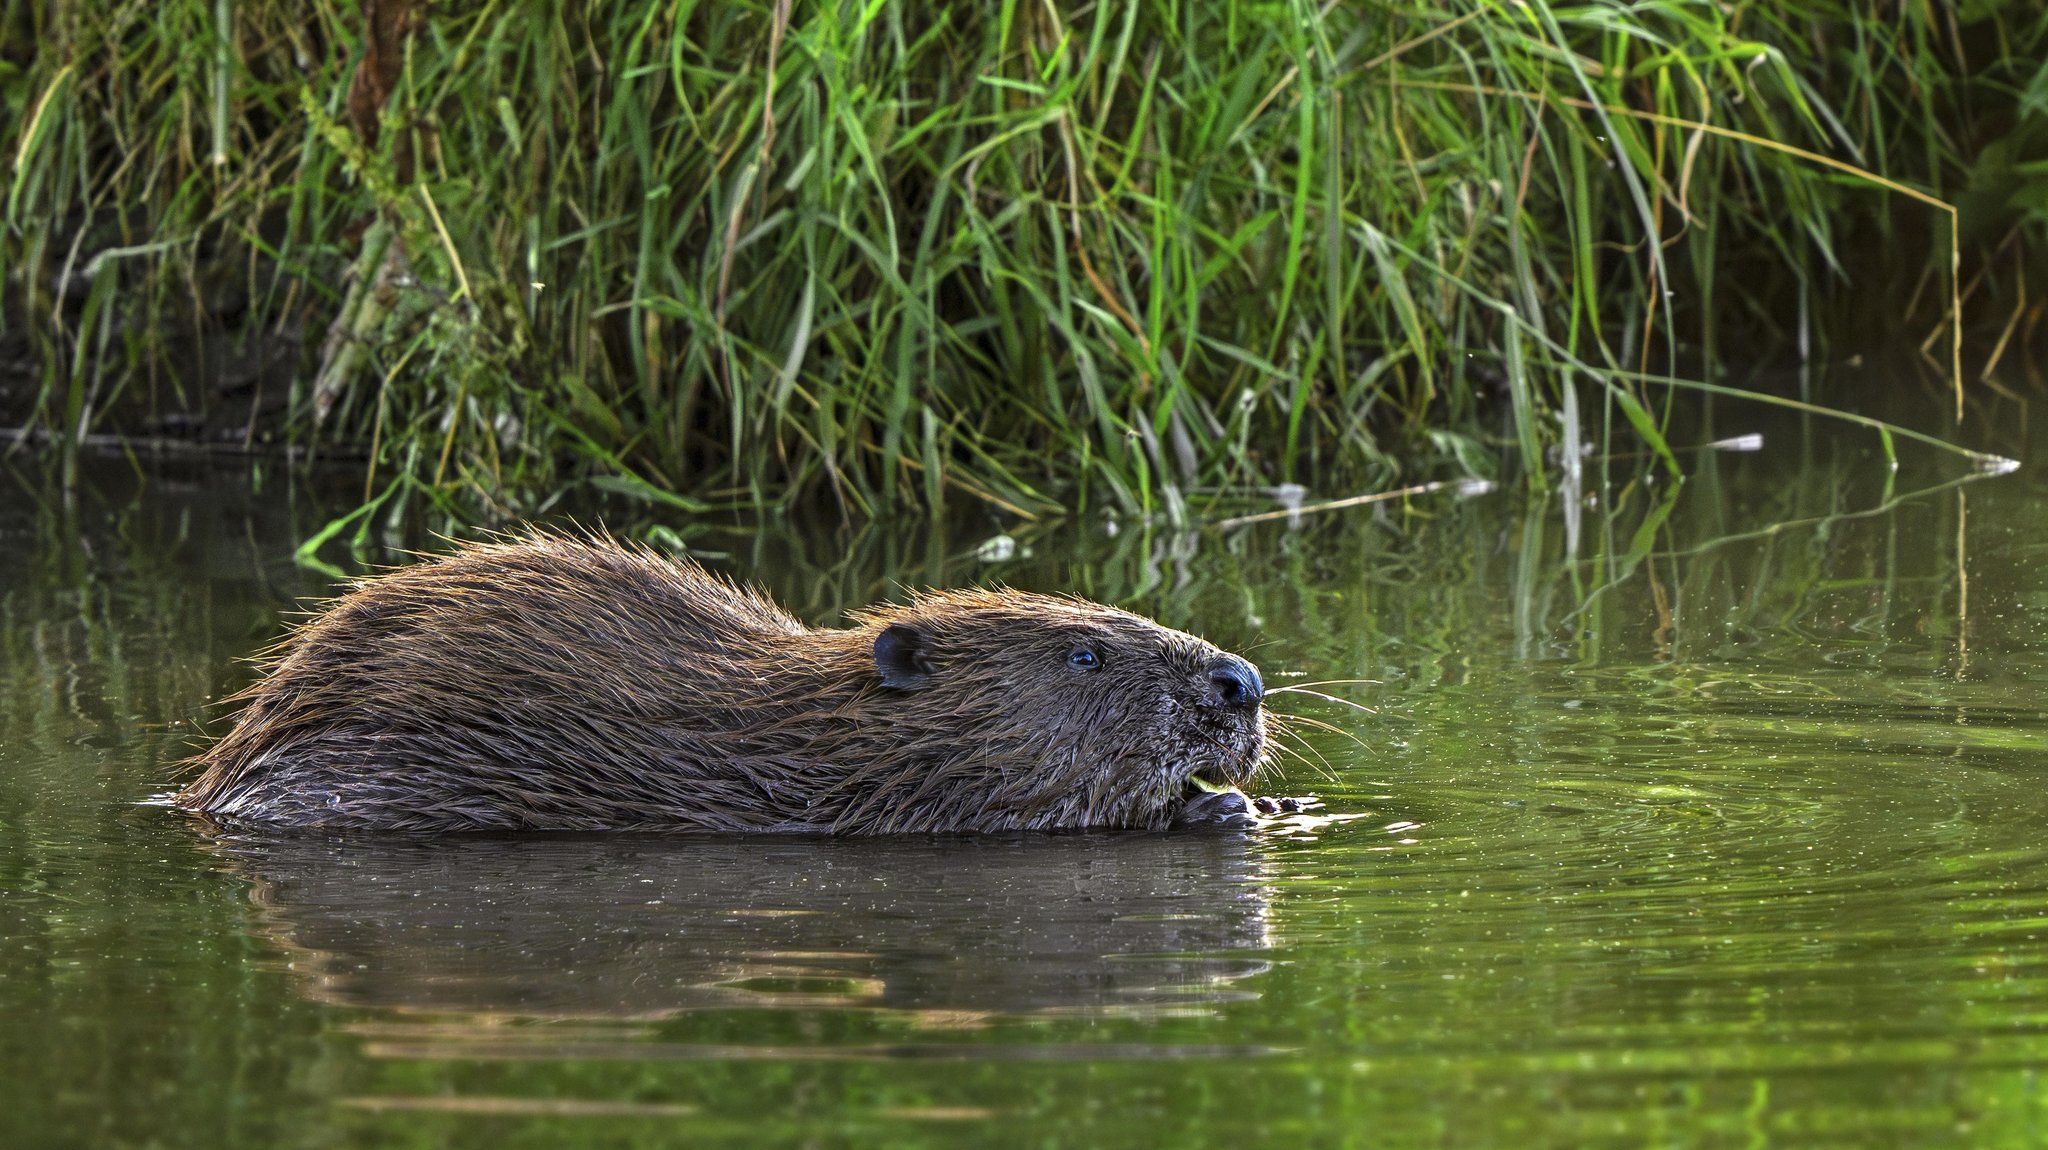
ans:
(1036, 255)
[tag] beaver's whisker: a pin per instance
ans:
(1318, 724)
(1322, 770)
(1303, 760)
(1328, 772)
(1328, 683)
(1320, 695)
(1290, 732)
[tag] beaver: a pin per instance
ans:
(551, 681)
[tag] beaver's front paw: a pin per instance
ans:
(1285, 806)
(1218, 809)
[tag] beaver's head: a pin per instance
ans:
(1032, 711)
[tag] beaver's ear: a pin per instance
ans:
(902, 656)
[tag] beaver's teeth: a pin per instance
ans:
(1201, 784)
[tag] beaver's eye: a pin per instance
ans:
(1083, 659)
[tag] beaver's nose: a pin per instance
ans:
(1234, 682)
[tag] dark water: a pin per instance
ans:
(1708, 817)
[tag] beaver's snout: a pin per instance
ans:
(1234, 683)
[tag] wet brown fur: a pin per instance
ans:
(551, 682)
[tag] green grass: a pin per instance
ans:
(1043, 256)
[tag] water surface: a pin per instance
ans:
(1699, 816)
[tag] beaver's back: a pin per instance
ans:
(543, 667)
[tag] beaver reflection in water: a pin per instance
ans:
(560, 683)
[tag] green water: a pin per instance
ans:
(1713, 822)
